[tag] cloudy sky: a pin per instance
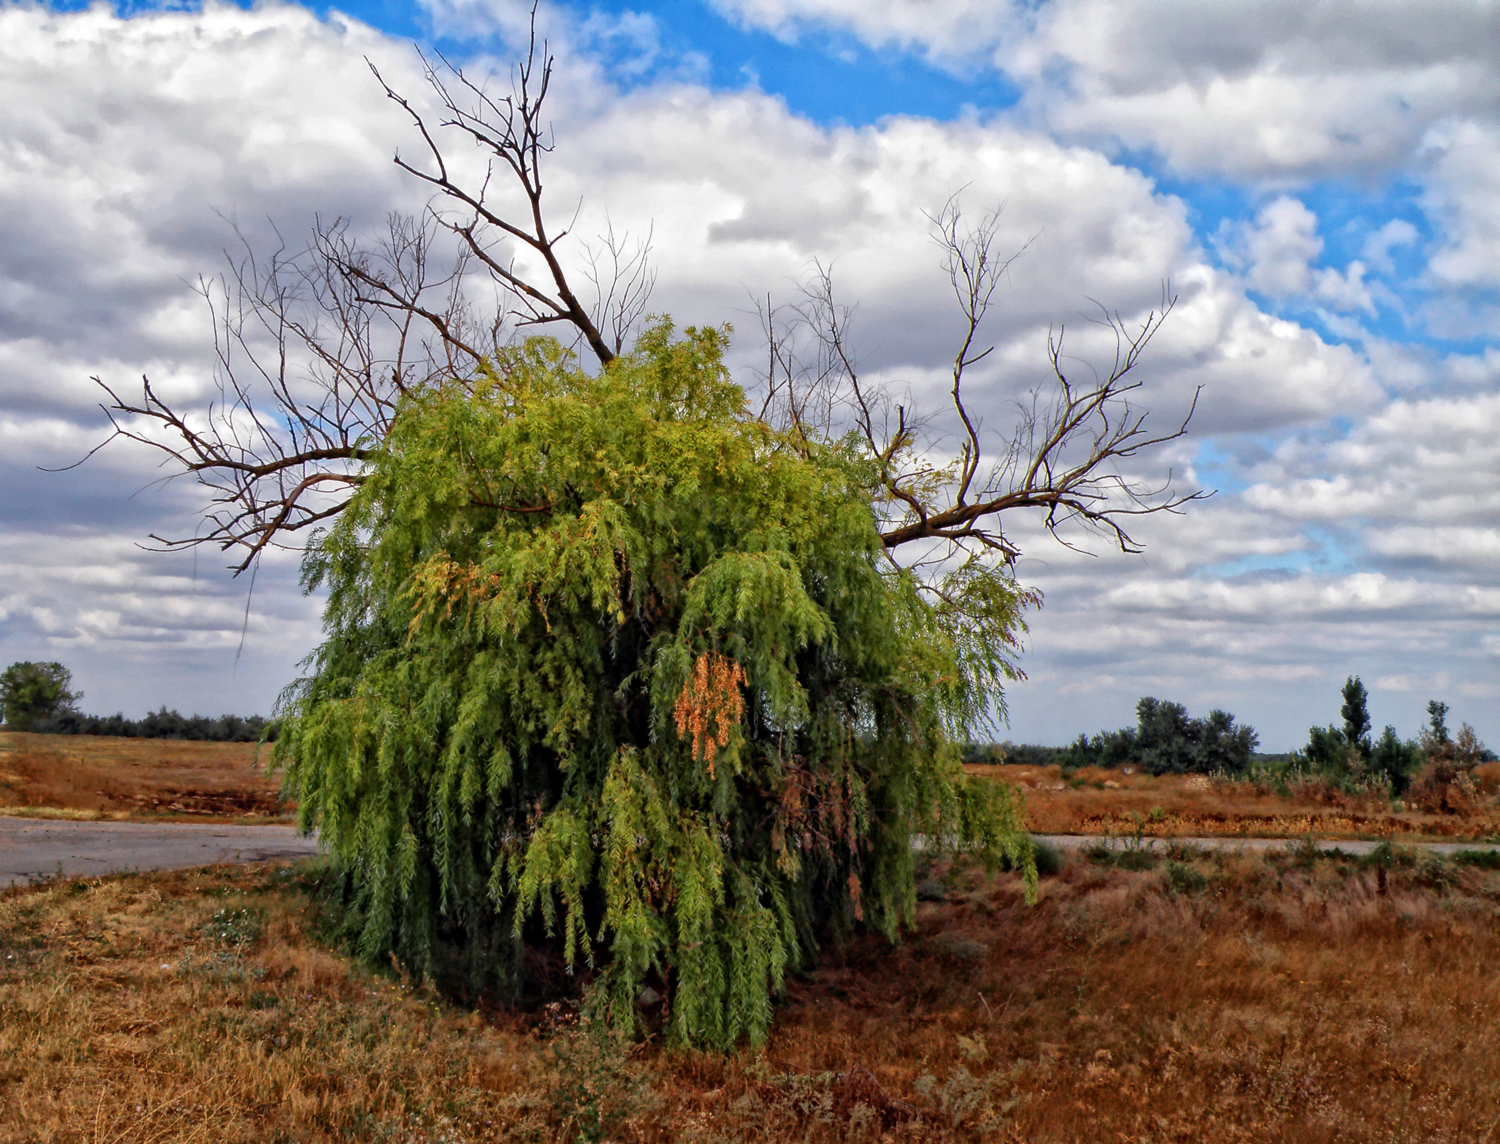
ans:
(1319, 183)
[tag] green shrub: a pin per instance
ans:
(613, 668)
(33, 692)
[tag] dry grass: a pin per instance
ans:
(1097, 801)
(1216, 998)
(86, 776)
(79, 776)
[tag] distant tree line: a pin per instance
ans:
(1437, 760)
(1432, 768)
(1164, 741)
(38, 697)
(162, 724)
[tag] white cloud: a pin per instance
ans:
(1380, 243)
(1244, 88)
(122, 137)
(1278, 248)
(1463, 184)
(1276, 253)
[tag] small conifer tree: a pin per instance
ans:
(612, 664)
(1356, 715)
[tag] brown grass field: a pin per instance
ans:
(86, 776)
(1197, 997)
(1106, 802)
(81, 776)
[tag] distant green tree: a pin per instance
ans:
(613, 666)
(1394, 758)
(1437, 723)
(32, 692)
(1356, 716)
(1327, 750)
(1165, 740)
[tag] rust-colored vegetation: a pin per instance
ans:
(1193, 997)
(86, 776)
(1092, 800)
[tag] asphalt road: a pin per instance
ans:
(1077, 841)
(39, 848)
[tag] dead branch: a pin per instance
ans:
(316, 348)
(1063, 458)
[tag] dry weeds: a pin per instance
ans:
(1211, 997)
(87, 776)
(1105, 802)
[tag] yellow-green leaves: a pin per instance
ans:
(613, 669)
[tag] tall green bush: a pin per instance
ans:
(32, 692)
(1166, 741)
(613, 665)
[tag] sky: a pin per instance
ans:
(1319, 185)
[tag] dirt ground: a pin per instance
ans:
(87, 776)
(1113, 802)
(1283, 997)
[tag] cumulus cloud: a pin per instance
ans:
(1463, 183)
(1248, 89)
(112, 200)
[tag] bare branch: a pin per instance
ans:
(1063, 458)
(317, 347)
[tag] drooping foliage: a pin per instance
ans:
(613, 666)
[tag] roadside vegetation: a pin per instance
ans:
(1186, 775)
(1176, 996)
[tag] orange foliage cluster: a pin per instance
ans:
(710, 705)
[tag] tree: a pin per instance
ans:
(1356, 715)
(685, 722)
(317, 349)
(611, 659)
(33, 692)
(1327, 750)
(1394, 758)
(1436, 732)
(1165, 740)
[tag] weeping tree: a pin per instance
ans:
(621, 658)
(608, 653)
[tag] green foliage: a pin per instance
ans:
(1484, 859)
(598, 1087)
(161, 724)
(1437, 722)
(1394, 758)
(239, 927)
(612, 666)
(1327, 751)
(1166, 741)
(1184, 879)
(1356, 715)
(32, 692)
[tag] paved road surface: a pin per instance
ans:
(32, 847)
(1077, 841)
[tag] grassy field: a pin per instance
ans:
(1190, 997)
(85, 776)
(1104, 802)
(95, 777)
